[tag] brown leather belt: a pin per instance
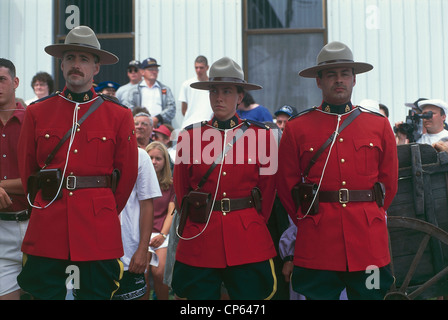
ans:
(345, 196)
(227, 205)
(76, 182)
(15, 216)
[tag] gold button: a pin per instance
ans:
(371, 144)
(77, 130)
(344, 183)
(224, 194)
(344, 205)
(224, 213)
(342, 160)
(250, 160)
(70, 194)
(75, 151)
(311, 149)
(341, 139)
(104, 138)
(224, 173)
(47, 136)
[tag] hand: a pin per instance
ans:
(5, 200)
(288, 266)
(441, 146)
(139, 261)
(156, 241)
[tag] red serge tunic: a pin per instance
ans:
(84, 224)
(240, 236)
(340, 238)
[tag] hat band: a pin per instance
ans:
(227, 79)
(83, 45)
(335, 61)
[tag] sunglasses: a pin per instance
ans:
(133, 70)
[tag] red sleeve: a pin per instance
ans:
(126, 160)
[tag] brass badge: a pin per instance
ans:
(215, 124)
(232, 123)
(86, 97)
(347, 108)
(327, 109)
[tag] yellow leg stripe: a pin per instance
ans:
(274, 288)
(117, 283)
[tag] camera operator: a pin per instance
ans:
(435, 125)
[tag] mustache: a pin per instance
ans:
(74, 71)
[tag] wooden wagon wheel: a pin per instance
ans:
(430, 231)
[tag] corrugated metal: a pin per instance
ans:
(405, 42)
(175, 32)
(26, 27)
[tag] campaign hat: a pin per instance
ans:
(335, 55)
(225, 71)
(82, 38)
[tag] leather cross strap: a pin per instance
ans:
(346, 196)
(346, 122)
(238, 134)
(92, 108)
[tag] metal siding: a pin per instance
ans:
(175, 32)
(407, 50)
(26, 27)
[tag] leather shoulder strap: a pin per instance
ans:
(239, 133)
(346, 122)
(92, 108)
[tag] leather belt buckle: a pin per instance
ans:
(343, 196)
(225, 205)
(71, 183)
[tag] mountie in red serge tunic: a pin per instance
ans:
(84, 224)
(341, 236)
(237, 237)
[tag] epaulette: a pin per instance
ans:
(257, 123)
(196, 125)
(112, 99)
(45, 98)
(363, 109)
(302, 113)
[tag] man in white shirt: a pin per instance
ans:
(136, 227)
(435, 126)
(195, 103)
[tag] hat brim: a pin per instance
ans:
(57, 51)
(206, 85)
(358, 67)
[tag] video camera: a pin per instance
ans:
(413, 126)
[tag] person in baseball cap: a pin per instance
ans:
(283, 114)
(434, 126)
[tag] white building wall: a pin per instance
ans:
(26, 28)
(405, 41)
(175, 32)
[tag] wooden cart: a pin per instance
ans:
(418, 224)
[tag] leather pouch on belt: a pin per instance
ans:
(199, 206)
(256, 198)
(380, 193)
(303, 195)
(49, 182)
